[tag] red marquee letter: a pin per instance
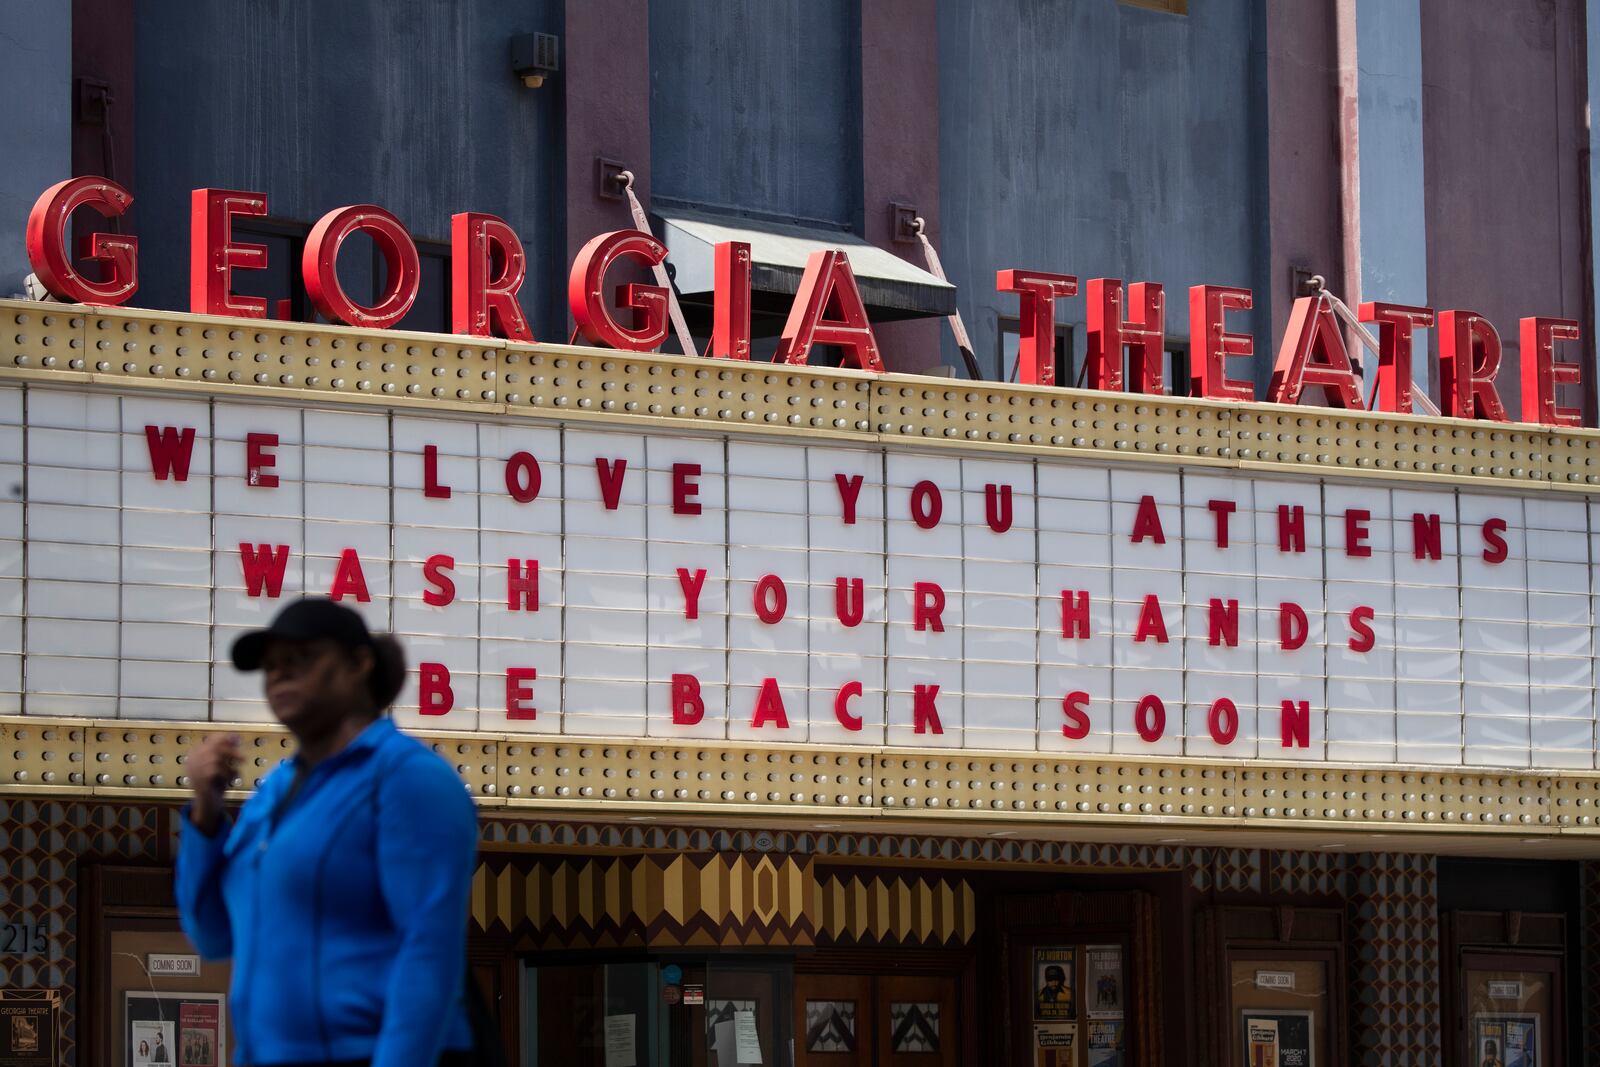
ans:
(1313, 354)
(1542, 372)
(519, 693)
(929, 605)
(1223, 721)
(1223, 623)
(1150, 718)
(730, 300)
(482, 302)
(1355, 532)
(433, 572)
(1291, 528)
(610, 473)
(586, 289)
(1075, 614)
(924, 710)
(688, 706)
(263, 568)
(927, 505)
(1036, 320)
(1109, 333)
(841, 705)
(434, 695)
(1222, 509)
(1296, 724)
(849, 600)
(47, 243)
(522, 585)
(1425, 536)
(1293, 626)
(828, 287)
(849, 492)
(1208, 368)
(214, 255)
(1147, 522)
(1151, 624)
(771, 599)
(319, 265)
(691, 584)
(348, 579)
(997, 506)
(769, 706)
(1397, 323)
(258, 462)
(430, 475)
(1494, 545)
(684, 490)
(1469, 360)
(1362, 638)
(170, 451)
(1075, 707)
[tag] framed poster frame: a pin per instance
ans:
(193, 1027)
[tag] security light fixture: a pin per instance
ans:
(535, 57)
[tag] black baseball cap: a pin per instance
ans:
(311, 619)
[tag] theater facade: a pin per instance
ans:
(822, 716)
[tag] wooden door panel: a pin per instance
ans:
(833, 1020)
(916, 1022)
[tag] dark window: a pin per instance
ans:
(282, 285)
(1011, 343)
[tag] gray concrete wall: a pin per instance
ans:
(1504, 86)
(410, 104)
(1102, 140)
(755, 105)
(36, 121)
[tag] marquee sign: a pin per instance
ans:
(1125, 325)
(578, 579)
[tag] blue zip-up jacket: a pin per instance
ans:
(345, 912)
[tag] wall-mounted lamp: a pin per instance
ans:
(535, 57)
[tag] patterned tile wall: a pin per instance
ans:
(42, 844)
(1393, 974)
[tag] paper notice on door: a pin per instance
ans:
(746, 1041)
(619, 1041)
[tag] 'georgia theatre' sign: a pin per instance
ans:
(488, 267)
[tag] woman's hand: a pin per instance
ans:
(211, 765)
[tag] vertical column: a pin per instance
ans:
(1393, 912)
(845, 520)
(1393, 238)
(1223, 638)
(348, 493)
(999, 647)
(436, 569)
(1074, 515)
(1560, 633)
(12, 505)
(165, 637)
(688, 603)
(1359, 528)
(1427, 624)
(1495, 609)
(519, 629)
(259, 540)
(1147, 592)
(74, 571)
(604, 533)
(925, 681)
(769, 596)
(1294, 618)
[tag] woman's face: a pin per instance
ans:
(312, 685)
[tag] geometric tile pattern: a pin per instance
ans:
(42, 843)
(1393, 911)
(1301, 873)
(914, 1026)
(890, 909)
(677, 901)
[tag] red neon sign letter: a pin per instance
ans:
(586, 287)
(829, 286)
(1312, 332)
(1208, 371)
(1542, 372)
(47, 243)
(1109, 332)
(1469, 359)
(1036, 320)
(1396, 325)
(320, 265)
(214, 255)
(481, 301)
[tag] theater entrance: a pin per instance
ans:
(734, 1011)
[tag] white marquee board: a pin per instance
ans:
(128, 589)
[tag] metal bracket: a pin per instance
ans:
(608, 178)
(1300, 281)
(903, 222)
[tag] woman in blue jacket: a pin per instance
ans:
(341, 890)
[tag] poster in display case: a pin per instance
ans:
(1278, 1038)
(1102, 981)
(1054, 969)
(175, 1029)
(1505, 1040)
(29, 1027)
